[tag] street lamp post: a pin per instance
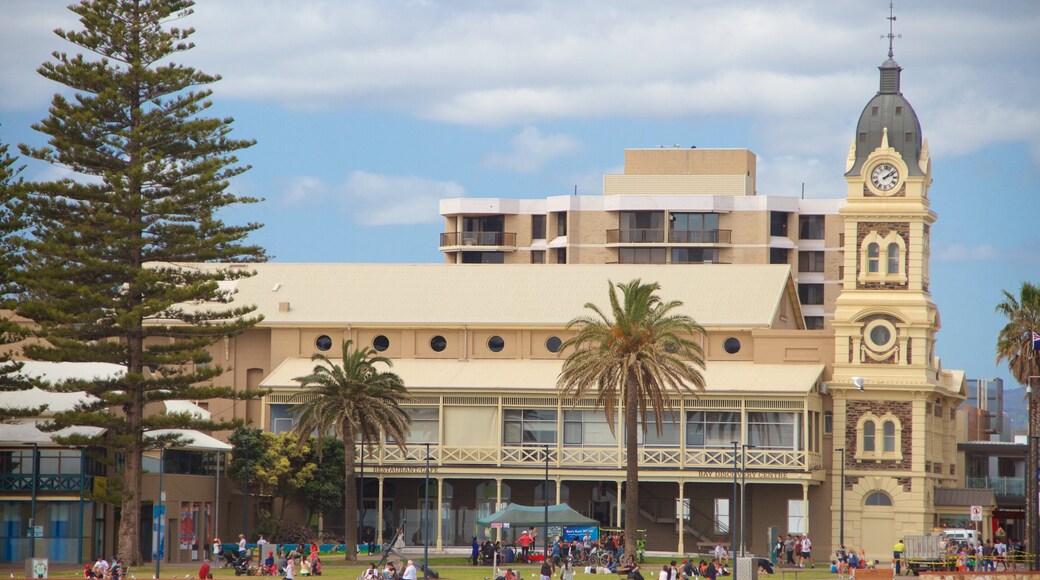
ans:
(426, 518)
(732, 511)
(161, 517)
(841, 501)
(545, 495)
(32, 505)
(361, 524)
(743, 513)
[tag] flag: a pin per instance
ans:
(1036, 340)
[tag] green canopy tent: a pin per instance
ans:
(517, 515)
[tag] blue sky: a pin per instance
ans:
(367, 112)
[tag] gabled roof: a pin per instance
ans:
(728, 295)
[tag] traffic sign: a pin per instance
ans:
(976, 513)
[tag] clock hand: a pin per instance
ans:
(889, 174)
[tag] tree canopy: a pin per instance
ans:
(108, 267)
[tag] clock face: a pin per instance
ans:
(884, 177)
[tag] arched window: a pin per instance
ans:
(868, 437)
(873, 256)
(888, 432)
(878, 498)
(893, 258)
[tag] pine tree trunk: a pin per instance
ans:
(129, 523)
(631, 468)
(350, 501)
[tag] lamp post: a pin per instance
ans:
(32, 505)
(732, 519)
(161, 514)
(361, 523)
(841, 501)
(545, 554)
(743, 514)
(426, 518)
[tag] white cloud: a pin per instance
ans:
(532, 150)
(305, 190)
(967, 253)
(380, 200)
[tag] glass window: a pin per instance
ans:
(878, 498)
(483, 257)
(873, 254)
(695, 255)
(380, 343)
(670, 429)
(810, 227)
(810, 293)
(694, 228)
(712, 428)
(561, 255)
(561, 223)
(529, 427)
(641, 255)
(813, 322)
(810, 261)
(438, 343)
(888, 432)
(538, 227)
(323, 343)
(721, 523)
(537, 256)
(586, 429)
(868, 436)
(641, 226)
(425, 425)
(828, 423)
(496, 344)
(773, 430)
(731, 345)
(880, 335)
(552, 344)
(795, 516)
(778, 223)
(893, 258)
(779, 256)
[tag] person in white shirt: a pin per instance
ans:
(665, 573)
(409, 571)
(290, 572)
(720, 553)
(241, 545)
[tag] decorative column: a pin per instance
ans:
(379, 514)
(681, 517)
(440, 515)
(805, 505)
(620, 522)
(498, 503)
(559, 484)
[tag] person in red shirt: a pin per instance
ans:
(204, 571)
(525, 545)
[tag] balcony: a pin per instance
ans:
(17, 482)
(478, 239)
(635, 236)
(699, 237)
(1004, 487)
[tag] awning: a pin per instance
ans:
(29, 434)
(521, 515)
(188, 407)
(194, 440)
(962, 497)
(720, 377)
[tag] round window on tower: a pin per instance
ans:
(880, 335)
(731, 345)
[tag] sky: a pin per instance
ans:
(367, 112)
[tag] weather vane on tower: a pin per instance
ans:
(891, 25)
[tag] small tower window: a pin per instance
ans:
(873, 256)
(888, 430)
(863, 137)
(909, 137)
(873, 111)
(893, 258)
(899, 110)
(868, 437)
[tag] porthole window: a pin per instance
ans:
(732, 345)
(496, 344)
(878, 498)
(380, 343)
(552, 344)
(323, 343)
(438, 343)
(881, 335)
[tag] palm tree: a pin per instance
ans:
(1015, 347)
(354, 399)
(636, 358)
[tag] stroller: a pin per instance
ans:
(239, 563)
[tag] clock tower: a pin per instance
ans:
(894, 405)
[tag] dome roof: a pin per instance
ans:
(889, 109)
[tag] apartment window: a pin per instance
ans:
(810, 293)
(561, 255)
(779, 256)
(488, 223)
(813, 322)
(483, 257)
(561, 223)
(641, 226)
(529, 427)
(537, 256)
(828, 423)
(641, 255)
(810, 261)
(695, 255)
(282, 425)
(670, 429)
(712, 428)
(772, 430)
(810, 227)
(425, 425)
(586, 429)
(538, 227)
(721, 523)
(694, 228)
(778, 223)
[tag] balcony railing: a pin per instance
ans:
(715, 459)
(635, 236)
(699, 236)
(1006, 486)
(478, 239)
(18, 482)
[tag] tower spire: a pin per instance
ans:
(891, 28)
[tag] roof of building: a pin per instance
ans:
(29, 434)
(56, 372)
(35, 397)
(504, 294)
(482, 374)
(959, 496)
(893, 112)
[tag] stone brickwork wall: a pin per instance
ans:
(902, 410)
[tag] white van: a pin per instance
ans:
(962, 535)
